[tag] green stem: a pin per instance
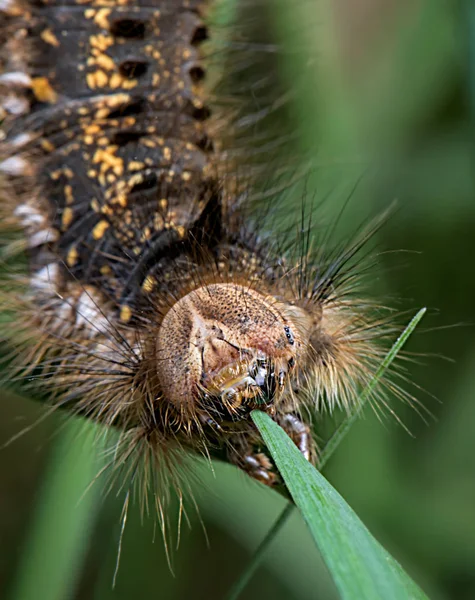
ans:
(259, 554)
(344, 427)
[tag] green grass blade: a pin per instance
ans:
(359, 565)
(344, 427)
(328, 452)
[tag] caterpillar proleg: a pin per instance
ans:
(152, 304)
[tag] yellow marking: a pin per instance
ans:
(181, 231)
(88, 140)
(102, 113)
(107, 210)
(186, 176)
(103, 141)
(109, 103)
(89, 13)
(105, 270)
(186, 53)
(156, 79)
(125, 313)
(91, 80)
(92, 173)
(84, 110)
(134, 180)
(120, 199)
(116, 80)
(135, 165)
(105, 62)
(101, 42)
(101, 18)
(129, 121)
(43, 91)
(92, 129)
(107, 160)
(129, 84)
(149, 283)
(167, 154)
(68, 194)
(149, 143)
(99, 229)
(97, 79)
(163, 203)
(55, 175)
(72, 256)
(49, 38)
(47, 145)
(95, 205)
(67, 218)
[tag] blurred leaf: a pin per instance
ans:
(58, 538)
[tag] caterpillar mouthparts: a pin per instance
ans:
(226, 341)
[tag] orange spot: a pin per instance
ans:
(72, 257)
(43, 91)
(49, 38)
(68, 193)
(67, 218)
(135, 165)
(47, 145)
(149, 283)
(125, 313)
(101, 18)
(100, 229)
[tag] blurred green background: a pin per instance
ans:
(384, 96)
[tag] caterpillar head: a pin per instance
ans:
(230, 346)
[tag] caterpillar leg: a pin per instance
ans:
(247, 453)
(300, 433)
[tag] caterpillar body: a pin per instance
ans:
(151, 305)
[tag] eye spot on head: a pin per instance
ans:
(289, 336)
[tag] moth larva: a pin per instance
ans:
(151, 305)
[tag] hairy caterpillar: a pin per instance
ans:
(153, 306)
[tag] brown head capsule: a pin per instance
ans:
(229, 342)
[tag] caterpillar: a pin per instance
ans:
(153, 304)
